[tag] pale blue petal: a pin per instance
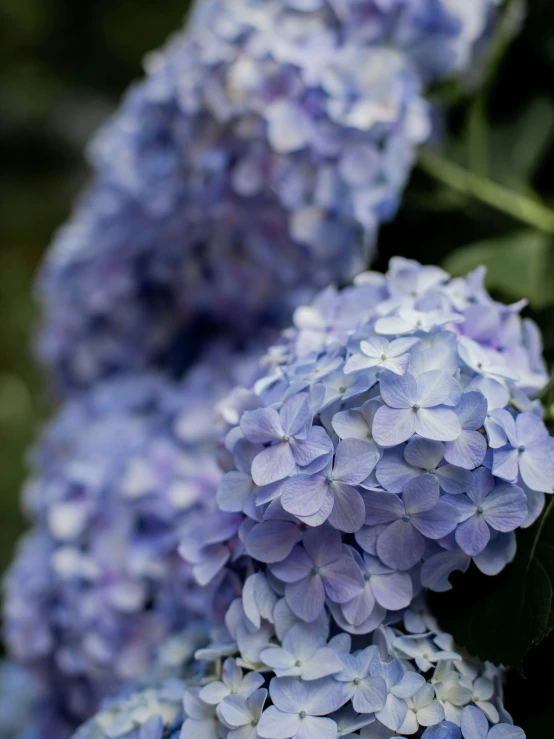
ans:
(350, 425)
(275, 724)
(234, 711)
(438, 568)
(421, 494)
(505, 463)
(506, 731)
(505, 508)
(233, 491)
(304, 494)
(307, 450)
(382, 507)
(295, 414)
(393, 472)
(536, 469)
(398, 391)
(261, 425)
(323, 545)
(438, 522)
(325, 696)
(467, 451)
(392, 591)
(273, 464)
(392, 426)
(444, 730)
(348, 512)
(295, 567)
(272, 541)
(437, 388)
(354, 460)
(400, 545)
(438, 423)
(394, 713)
(370, 695)
(424, 453)
(473, 535)
(454, 480)
(317, 728)
(472, 410)
(306, 597)
(342, 579)
(474, 723)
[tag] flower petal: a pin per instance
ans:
(306, 597)
(275, 724)
(392, 426)
(272, 541)
(304, 494)
(400, 545)
(261, 425)
(398, 391)
(438, 423)
(273, 464)
(474, 723)
(342, 579)
(473, 535)
(348, 513)
(354, 460)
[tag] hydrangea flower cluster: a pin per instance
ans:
(407, 680)
(18, 693)
(251, 168)
(394, 440)
(150, 713)
(98, 586)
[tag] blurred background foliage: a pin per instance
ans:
(485, 195)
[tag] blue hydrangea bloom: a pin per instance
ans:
(98, 587)
(361, 468)
(406, 680)
(250, 168)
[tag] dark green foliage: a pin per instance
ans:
(500, 618)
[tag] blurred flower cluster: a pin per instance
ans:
(250, 168)
(19, 691)
(98, 585)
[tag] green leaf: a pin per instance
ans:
(519, 264)
(519, 147)
(499, 619)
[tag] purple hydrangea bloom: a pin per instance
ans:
(98, 585)
(340, 491)
(250, 168)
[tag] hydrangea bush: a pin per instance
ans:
(98, 587)
(250, 168)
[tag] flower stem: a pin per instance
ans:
(472, 184)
